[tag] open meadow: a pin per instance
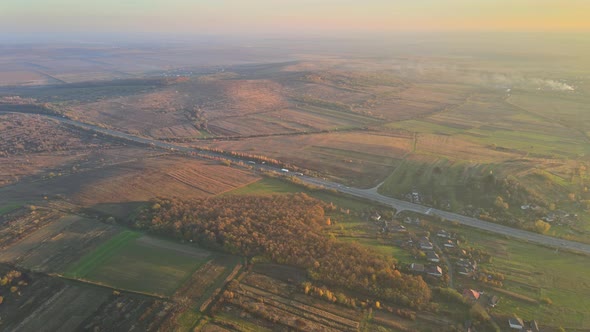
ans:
(133, 262)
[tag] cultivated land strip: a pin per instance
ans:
(397, 204)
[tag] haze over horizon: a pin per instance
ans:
(289, 17)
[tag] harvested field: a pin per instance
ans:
(277, 303)
(213, 327)
(358, 158)
(204, 280)
(16, 168)
(213, 178)
(134, 179)
(181, 131)
(290, 313)
(456, 148)
(241, 97)
(233, 318)
(52, 304)
(166, 177)
(253, 125)
(54, 243)
(310, 119)
(22, 77)
(142, 113)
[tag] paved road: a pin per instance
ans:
(400, 205)
(369, 194)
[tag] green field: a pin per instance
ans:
(383, 247)
(139, 263)
(267, 186)
(531, 123)
(88, 263)
(275, 186)
(9, 208)
(441, 180)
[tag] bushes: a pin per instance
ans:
(451, 295)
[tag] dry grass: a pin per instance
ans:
(364, 158)
(22, 77)
(166, 177)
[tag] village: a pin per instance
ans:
(444, 260)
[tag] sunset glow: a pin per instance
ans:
(303, 16)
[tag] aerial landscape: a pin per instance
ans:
(302, 166)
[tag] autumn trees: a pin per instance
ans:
(286, 229)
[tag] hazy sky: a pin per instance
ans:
(291, 16)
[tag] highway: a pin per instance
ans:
(367, 194)
(400, 205)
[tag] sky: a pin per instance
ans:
(291, 16)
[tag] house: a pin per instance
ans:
(432, 256)
(444, 234)
(494, 300)
(463, 262)
(409, 220)
(516, 323)
(398, 229)
(376, 217)
(434, 271)
(464, 271)
(471, 295)
(470, 265)
(425, 244)
(449, 244)
(416, 267)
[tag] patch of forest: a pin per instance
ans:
(286, 229)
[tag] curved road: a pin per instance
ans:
(369, 194)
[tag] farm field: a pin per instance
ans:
(169, 176)
(360, 159)
(282, 302)
(56, 243)
(139, 263)
(276, 186)
(22, 77)
(285, 310)
(498, 138)
(130, 177)
(49, 303)
(200, 293)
